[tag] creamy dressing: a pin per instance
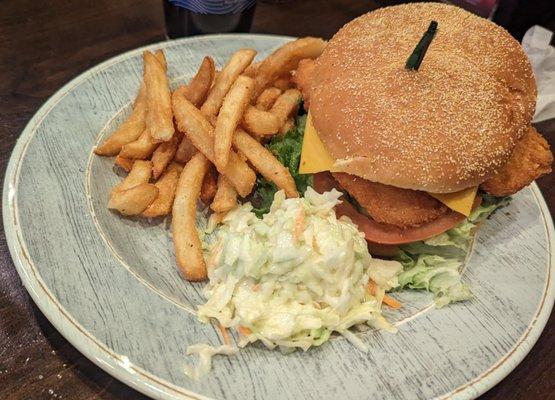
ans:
(205, 353)
(295, 276)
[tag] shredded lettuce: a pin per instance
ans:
(287, 149)
(433, 264)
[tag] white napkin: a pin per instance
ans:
(542, 56)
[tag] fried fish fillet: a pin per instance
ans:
(303, 78)
(391, 205)
(530, 159)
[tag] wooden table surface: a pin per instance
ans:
(45, 44)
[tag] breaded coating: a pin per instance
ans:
(303, 78)
(391, 205)
(530, 159)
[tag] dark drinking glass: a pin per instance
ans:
(197, 17)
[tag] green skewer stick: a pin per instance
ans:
(415, 59)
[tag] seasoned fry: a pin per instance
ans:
(216, 74)
(140, 173)
(159, 119)
(287, 126)
(197, 88)
(161, 57)
(134, 125)
(133, 201)
(139, 149)
(232, 109)
(267, 98)
(251, 70)
(286, 105)
(265, 162)
(124, 163)
(129, 130)
(225, 198)
(197, 128)
(185, 150)
(209, 187)
(134, 193)
(188, 249)
(166, 191)
(236, 64)
(260, 123)
(284, 60)
(284, 82)
(163, 154)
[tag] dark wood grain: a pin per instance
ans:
(45, 44)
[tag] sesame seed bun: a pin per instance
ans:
(448, 126)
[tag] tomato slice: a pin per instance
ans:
(387, 234)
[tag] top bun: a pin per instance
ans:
(448, 126)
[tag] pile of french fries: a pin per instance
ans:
(204, 141)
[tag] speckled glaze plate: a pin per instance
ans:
(110, 285)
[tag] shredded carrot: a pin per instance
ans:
(299, 225)
(371, 288)
(243, 330)
(391, 302)
(387, 300)
(225, 334)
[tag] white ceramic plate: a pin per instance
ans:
(110, 284)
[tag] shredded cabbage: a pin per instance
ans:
(434, 264)
(294, 276)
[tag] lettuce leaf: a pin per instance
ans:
(287, 149)
(433, 264)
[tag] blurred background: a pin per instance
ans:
(192, 17)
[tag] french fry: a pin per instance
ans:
(287, 126)
(216, 74)
(124, 163)
(161, 57)
(233, 106)
(140, 173)
(234, 67)
(225, 198)
(197, 88)
(200, 132)
(265, 162)
(251, 70)
(134, 125)
(141, 148)
(166, 191)
(267, 98)
(286, 105)
(159, 120)
(129, 130)
(163, 154)
(134, 194)
(284, 60)
(135, 200)
(188, 248)
(284, 82)
(185, 151)
(209, 187)
(260, 123)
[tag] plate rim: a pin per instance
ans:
(141, 380)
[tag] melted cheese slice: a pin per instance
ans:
(460, 201)
(315, 158)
